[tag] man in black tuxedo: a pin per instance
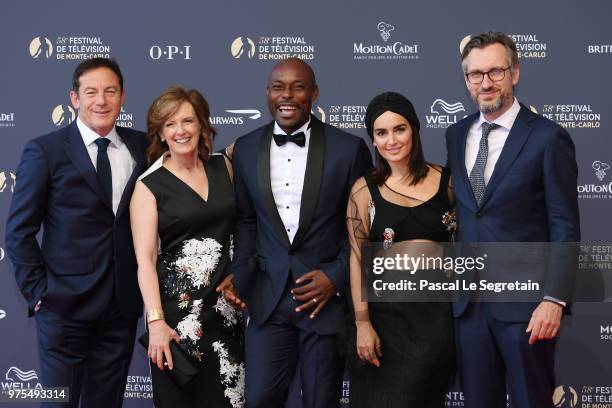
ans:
(292, 178)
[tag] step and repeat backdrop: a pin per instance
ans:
(357, 49)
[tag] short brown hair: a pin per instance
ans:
(166, 105)
(94, 63)
(483, 40)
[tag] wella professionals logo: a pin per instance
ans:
(385, 30)
(443, 114)
(63, 115)
(565, 397)
(7, 182)
(2, 314)
(243, 47)
(14, 374)
(397, 50)
(41, 47)
(17, 379)
(2, 254)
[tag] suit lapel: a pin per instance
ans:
(77, 152)
(312, 178)
(139, 158)
(265, 185)
(514, 143)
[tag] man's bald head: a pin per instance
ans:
(291, 90)
(295, 63)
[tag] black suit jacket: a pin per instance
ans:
(86, 256)
(264, 257)
(531, 197)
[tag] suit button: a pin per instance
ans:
(292, 252)
(479, 214)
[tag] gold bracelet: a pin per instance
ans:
(154, 314)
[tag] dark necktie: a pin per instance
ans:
(105, 176)
(477, 174)
(299, 139)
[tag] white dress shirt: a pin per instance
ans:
(287, 171)
(121, 161)
(497, 139)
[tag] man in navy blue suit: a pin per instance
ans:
(515, 176)
(80, 282)
(292, 180)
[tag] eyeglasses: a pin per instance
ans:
(495, 75)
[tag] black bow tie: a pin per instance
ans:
(299, 139)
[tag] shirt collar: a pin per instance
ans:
(304, 128)
(506, 120)
(89, 136)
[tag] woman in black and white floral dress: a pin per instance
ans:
(186, 198)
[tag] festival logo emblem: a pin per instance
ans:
(41, 47)
(242, 46)
(63, 115)
(7, 182)
(565, 397)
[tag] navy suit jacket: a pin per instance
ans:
(264, 257)
(531, 197)
(86, 254)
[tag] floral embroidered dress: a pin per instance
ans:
(418, 347)
(194, 257)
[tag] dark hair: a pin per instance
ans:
(94, 63)
(397, 103)
(483, 40)
(166, 105)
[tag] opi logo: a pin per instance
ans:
(170, 52)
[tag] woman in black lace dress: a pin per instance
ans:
(186, 198)
(404, 350)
